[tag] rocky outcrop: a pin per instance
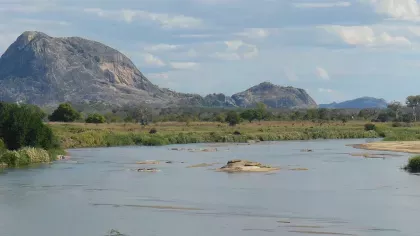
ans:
(44, 70)
(246, 166)
(274, 96)
(219, 100)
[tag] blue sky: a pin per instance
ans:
(336, 50)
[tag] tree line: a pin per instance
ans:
(396, 111)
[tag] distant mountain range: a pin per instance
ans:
(45, 71)
(360, 103)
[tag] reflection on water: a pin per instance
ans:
(327, 191)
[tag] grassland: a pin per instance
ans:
(79, 135)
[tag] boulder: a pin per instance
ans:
(246, 166)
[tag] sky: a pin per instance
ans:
(336, 50)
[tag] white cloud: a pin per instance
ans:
(162, 47)
(165, 20)
(255, 33)
(184, 65)
(399, 9)
(325, 90)
(236, 50)
(322, 4)
(152, 60)
(366, 36)
(322, 73)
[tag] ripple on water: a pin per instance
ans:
(148, 206)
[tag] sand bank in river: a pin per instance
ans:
(404, 146)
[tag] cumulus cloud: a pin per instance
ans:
(184, 65)
(322, 73)
(366, 36)
(399, 9)
(151, 60)
(165, 20)
(321, 4)
(237, 50)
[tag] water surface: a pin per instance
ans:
(99, 190)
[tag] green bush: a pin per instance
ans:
(24, 157)
(413, 165)
(22, 126)
(65, 113)
(233, 118)
(95, 118)
(369, 127)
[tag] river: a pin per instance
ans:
(99, 190)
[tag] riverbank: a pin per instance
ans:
(404, 146)
(81, 135)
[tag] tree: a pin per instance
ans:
(21, 126)
(261, 111)
(323, 114)
(396, 108)
(95, 118)
(233, 118)
(220, 118)
(249, 115)
(140, 114)
(65, 113)
(413, 102)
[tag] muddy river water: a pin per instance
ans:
(98, 190)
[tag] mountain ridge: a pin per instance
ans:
(44, 70)
(357, 103)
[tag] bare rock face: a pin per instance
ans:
(43, 70)
(46, 71)
(246, 166)
(219, 100)
(274, 96)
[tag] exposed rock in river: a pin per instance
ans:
(246, 166)
(148, 162)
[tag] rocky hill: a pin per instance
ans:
(45, 71)
(274, 96)
(358, 103)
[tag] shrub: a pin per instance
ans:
(400, 124)
(233, 118)
(35, 155)
(65, 113)
(13, 159)
(153, 131)
(22, 126)
(397, 124)
(370, 126)
(249, 115)
(95, 118)
(413, 165)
